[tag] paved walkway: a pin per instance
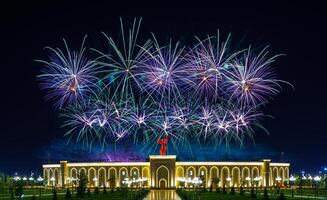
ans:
(162, 195)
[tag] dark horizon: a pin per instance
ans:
(30, 124)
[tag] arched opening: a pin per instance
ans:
(82, 173)
(135, 175)
(162, 173)
(203, 174)
(180, 173)
(162, 184)
(112, 175)
(56, 176)
(146, 174)
(256, 176)
(214, 177)
(190, 172)
(246, 177)
(92, 179)
(281, 175)
(73, 176)
(275, 175)
(51, 177)
(225, 177)
(102, 177)
(236, 173)
(123, 173)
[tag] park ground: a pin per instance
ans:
(47, 194)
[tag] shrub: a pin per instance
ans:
(265, 194)
(281, 196)
(104, 190)
(241, 190)
(224, 190)
(96, 190)
(232, 190)
(54, 192)
(80, 191)
(68, 194)
(253, 194)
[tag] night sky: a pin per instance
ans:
(29, 124)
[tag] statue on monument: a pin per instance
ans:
(163, 142)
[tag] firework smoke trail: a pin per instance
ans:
(206, 94)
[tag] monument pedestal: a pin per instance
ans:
(162, 169)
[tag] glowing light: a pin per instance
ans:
(204, 94)
(292, 178)
(317, 178)
(39, 179)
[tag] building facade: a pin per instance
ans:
(163, 171)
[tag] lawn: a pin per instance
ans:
(272, 194)
(47, 194)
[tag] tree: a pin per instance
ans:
(33, 197)
(54, 194)
(215, 181)
(80, 191)
(68, 194)
(96, 190)
(241, 190)
(281, 196)
(265, 194)
(232, 190)
(88, 193)
(224, 190)
(104, 189)
(253, 194)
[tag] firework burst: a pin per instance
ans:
(68, 77)
(209, 93)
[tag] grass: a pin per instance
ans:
(48, 195)
(273, 195)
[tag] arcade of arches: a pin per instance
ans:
(162, 171)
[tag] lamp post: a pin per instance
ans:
(292, 180)
(197, 181)
(95, 181)
(39, 180)
(317, 180)
(248, 179)
(53, 181)
(229, 179)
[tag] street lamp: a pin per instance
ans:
(248, 179)
(229, 179)
(95, 181)
(53, 180)
(317, 180)
(292, 179)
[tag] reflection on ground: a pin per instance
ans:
(162, 195)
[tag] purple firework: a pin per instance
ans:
(68, 77)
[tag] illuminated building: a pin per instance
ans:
(163, 171)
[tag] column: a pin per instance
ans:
(63, 172)
(265, 171)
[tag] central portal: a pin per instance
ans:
(163, 184)
(162, 171)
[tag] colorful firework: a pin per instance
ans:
(208, 93)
